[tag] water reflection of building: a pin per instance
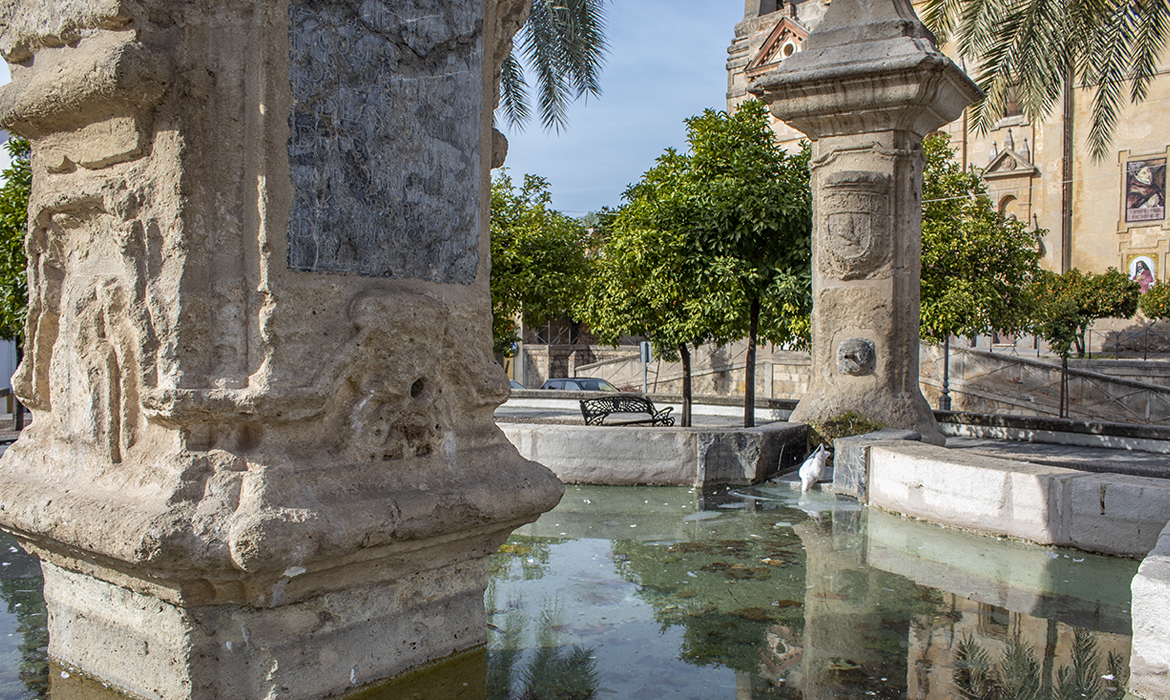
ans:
(858, 616)
(934, 641)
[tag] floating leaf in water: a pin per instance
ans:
(832, 595)
(755, 614)
(737, 572)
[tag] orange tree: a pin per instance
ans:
(710, 245)
(539, 258)
(977, 264)
(1069, 303)
(1155, 303)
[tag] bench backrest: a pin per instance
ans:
(618, 404)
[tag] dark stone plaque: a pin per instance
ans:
(384, 152)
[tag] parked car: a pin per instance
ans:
(516, 384)
(579, 384)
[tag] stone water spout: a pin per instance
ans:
(263, 461)
(869, 84)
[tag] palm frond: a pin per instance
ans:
(1151, 32)
(1111, 39)
(514, 93)
(941, 16)
(1034, 48)
(564, 43)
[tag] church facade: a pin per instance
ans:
(1097, 213)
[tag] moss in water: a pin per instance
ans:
(71, 684)
(460, 677)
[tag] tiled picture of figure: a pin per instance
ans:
(1143, 270)
(1145, 190)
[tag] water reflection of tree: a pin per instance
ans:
(553, 671)
(530, 554)
(1019, 676)
(725, 594)
(26, 603)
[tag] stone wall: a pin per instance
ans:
(1107, 513)
(641, 455)
(1150, 665)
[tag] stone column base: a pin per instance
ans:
(1149, 676)
(311, 649)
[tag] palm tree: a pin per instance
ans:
(1035, 50)
(563, 42)
(1026, 50)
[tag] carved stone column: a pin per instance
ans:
(263, 461)
(867, 87)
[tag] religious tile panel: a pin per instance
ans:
(1145, 190)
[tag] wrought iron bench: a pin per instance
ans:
(597, 410)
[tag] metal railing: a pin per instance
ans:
(990, 382)
(1146, 340)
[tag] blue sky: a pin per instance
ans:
(667, 62)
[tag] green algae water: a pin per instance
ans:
(737, 594)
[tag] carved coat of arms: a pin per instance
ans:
(856, 224)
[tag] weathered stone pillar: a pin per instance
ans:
(868, 86)
(263, 461)
(1149, 677)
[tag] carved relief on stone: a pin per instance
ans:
(856, 357)
(387, 406)
(85, 102)
(855, 223)
(91, 340)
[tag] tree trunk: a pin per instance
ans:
(686, 387)
(749, 370)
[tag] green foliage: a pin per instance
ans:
(839, 426)
(977, 264)
(711, 245)
(703, 234)
(1028, 50)
(750, 214)
(1069, 303)
(644, 279)
(539, 258)
(564, 43)
(13, 227)
(1155, 303)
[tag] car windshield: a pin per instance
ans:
(595, 385)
